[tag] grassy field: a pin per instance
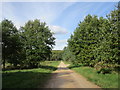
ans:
(29, 78)
(102, 80)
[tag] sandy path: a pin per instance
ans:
(66, 78)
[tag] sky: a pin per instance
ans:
(61, 17)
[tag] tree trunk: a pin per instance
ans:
(3, 63)
(3, 54)
(15, 65)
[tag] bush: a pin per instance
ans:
(104, 68)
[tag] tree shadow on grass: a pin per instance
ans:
(41, 66)
(27, 78)
(48, 67)
(24, 79)
(74, 66)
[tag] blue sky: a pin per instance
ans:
(61, 17)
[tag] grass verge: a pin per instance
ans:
(29, 78)
(102, 80)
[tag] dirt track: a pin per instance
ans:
(66, 78)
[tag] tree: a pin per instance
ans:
(56, 55)
(10, 43)
(68, 55)
(38, 42)
(113, 18)
(96, 40)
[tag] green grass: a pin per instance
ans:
(29, 78)
(102, 80)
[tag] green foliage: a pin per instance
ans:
(95, 40)
(56, 55)
(38, 42)
(11, 45)
(104, 68)
(28, 46)
(68, 55)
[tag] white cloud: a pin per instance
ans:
(60, 44)
(42, 11)
(48, 12)
(58, 29)
(61, 41)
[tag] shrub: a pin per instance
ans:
(104, 68)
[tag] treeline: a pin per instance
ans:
(95, 42)
(29, 45)
(56, 55)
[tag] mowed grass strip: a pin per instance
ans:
(29, 78)
(102, 80)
